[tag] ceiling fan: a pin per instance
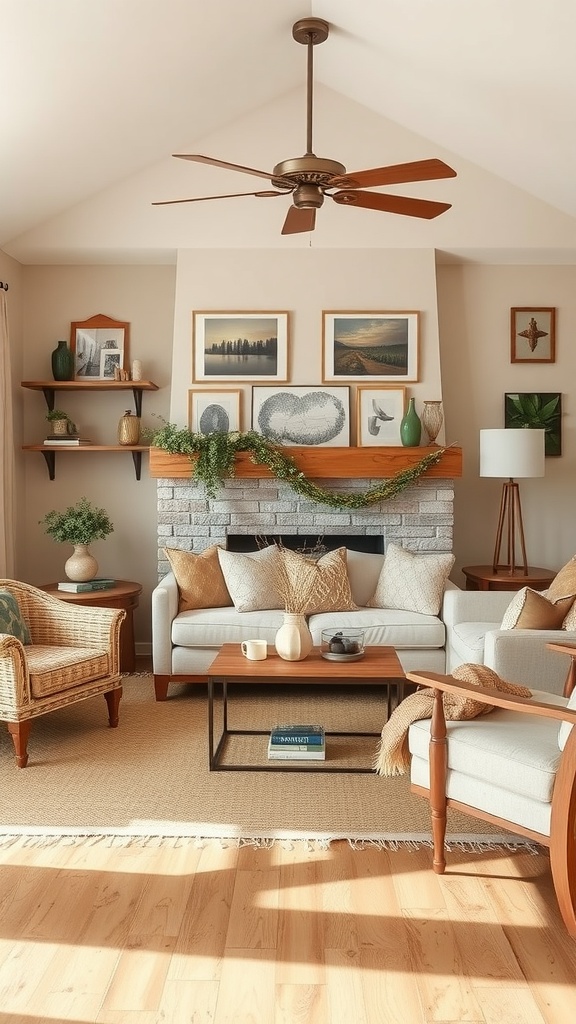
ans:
(309, 179)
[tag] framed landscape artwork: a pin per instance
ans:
(533, 334)
(373, 347)
(379, 412)
(539, 409)
(240, 346)
(303, 415)
(99, 346)
(210, 410)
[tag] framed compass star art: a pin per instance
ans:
(533, 334)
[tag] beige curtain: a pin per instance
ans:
(7, 476)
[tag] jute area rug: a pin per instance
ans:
(149, 777)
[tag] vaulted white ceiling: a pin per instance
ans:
(97, 95)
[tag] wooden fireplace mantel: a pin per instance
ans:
(324, 463)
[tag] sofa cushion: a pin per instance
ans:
(529, 609)
(199, 578)
(412, 581)
(210, 627)
(250, 578)
(56, 669)
(467, 640)
(390, 628)
(363, 572)
(311, 586)
(12, 622)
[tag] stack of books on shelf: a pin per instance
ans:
(66, 439)
(99, 583)
(297, 742)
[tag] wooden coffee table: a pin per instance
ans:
(380, 666)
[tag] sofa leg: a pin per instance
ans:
(20, 732)
(113, 701)
(161, 687)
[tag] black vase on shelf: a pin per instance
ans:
(62, 362)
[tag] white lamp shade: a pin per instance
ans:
(512, 453)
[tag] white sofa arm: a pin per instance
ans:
(521, 656)
(475, 605)
(164, 610)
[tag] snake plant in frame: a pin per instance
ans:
(540, 410)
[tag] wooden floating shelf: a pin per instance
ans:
(324, 463)
(49, 453)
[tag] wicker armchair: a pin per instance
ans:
(73, 654)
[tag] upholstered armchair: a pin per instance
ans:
(514, 767)
(69, 653)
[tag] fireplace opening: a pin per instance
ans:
(316, 544)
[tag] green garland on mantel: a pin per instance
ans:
(213, 459)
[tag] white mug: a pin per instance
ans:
(254, 650)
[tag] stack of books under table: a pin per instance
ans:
(297, 742)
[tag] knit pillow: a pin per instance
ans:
(312, 587)
(250, 578)
(199, 578)
(530, 609)
(12, 621)
(412, 582)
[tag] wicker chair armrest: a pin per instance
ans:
(14, 682)
(70, 625)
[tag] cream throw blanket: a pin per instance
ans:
(393, 757)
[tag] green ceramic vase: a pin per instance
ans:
(62, 362)
(410, 427)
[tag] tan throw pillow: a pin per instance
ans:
(312, 587)
(411, 581)
(570, 620)
(564, 582)
(250, 578)
(529, 609)
(199, 578)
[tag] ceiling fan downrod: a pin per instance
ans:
(310, 32)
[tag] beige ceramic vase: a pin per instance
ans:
(81, 566)
(293, 640)
(129, 429)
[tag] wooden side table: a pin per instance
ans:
(124, 595)
(483, 577)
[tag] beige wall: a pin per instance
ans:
(474, 312)
(52, 298)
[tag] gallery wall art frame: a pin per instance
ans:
(309, 415)
(379, 412)
(370, 346)
(91, 339)
(537, 409)
(240, 346)
(533, 334)
(212, 409)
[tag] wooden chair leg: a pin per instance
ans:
(113, 702)
(20, 732)
(161, 687)
(438, 769)
(562, 835)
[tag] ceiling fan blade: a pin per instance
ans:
(392, 204)
(230, 195)
(418, 170)
(199, 159)
(298, 220)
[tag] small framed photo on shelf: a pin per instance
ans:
(99, 346)
(210, 410)
(373, 347)
(538, 409)
(533, 334)
(240, 346)
(306, 415)
(379, 412)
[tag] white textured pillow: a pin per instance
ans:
(412, 581)
(566, 727)
(249, 578)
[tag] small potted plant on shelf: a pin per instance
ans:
(60, 422)
(79, 524)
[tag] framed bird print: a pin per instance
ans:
(533, 334)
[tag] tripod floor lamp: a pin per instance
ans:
(511, 453)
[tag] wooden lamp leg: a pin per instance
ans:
(510, 516)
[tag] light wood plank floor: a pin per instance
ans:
(173, 932)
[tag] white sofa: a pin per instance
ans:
(472, 619)
(184, 644)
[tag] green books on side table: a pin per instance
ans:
(99, 583)
(297, 742)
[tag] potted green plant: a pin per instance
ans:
(59, 421)
(79, 525)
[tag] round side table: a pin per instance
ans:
(483, 577)
(124, 595)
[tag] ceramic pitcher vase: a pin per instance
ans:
(293, 639)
